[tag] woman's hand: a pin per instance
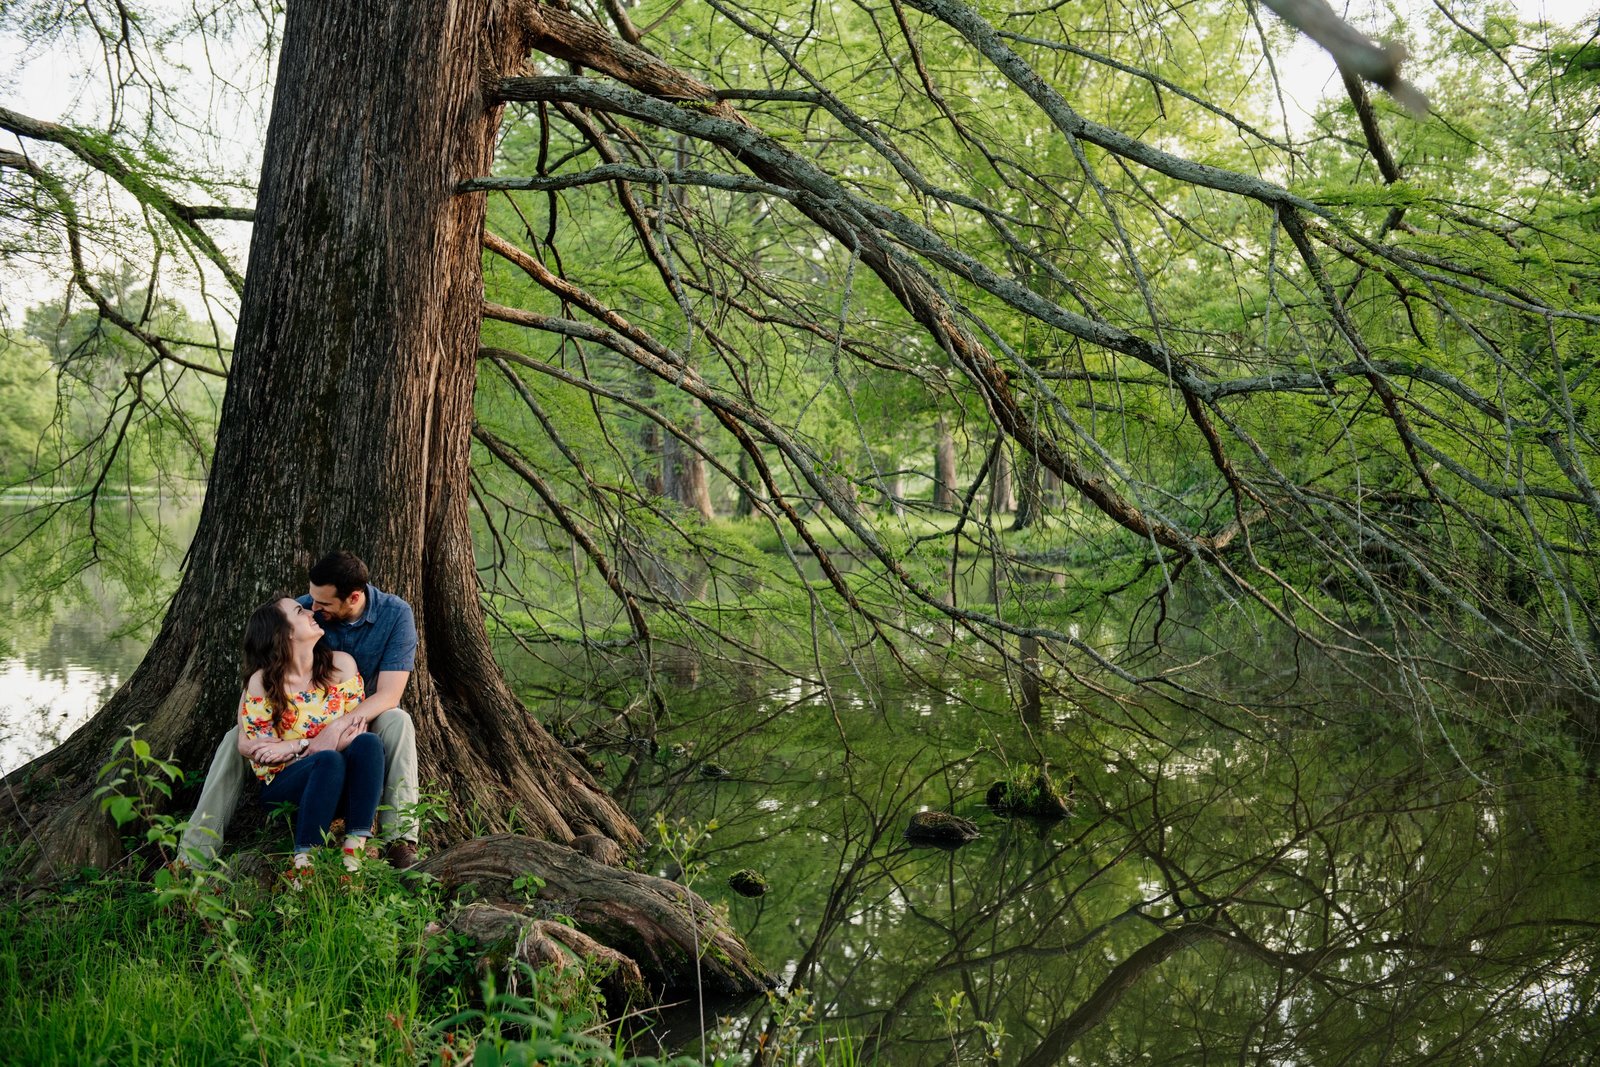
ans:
(271, 753)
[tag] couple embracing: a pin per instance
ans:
(319, 723)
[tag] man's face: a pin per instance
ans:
(328, 605)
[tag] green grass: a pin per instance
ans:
(108, 969)
(101, 970)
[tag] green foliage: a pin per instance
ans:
(1029, 790)
(793, 1036)
(27, 404)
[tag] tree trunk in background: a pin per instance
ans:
(1003, 497)
(683, 470)
(347, 424)
(1032, 702)
(1030, 494)
(944, 469)
(897, 496)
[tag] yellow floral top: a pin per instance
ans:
(308, 714)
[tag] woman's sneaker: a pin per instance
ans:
(297, 876)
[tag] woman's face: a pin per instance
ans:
(302, 623)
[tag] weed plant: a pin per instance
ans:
(195, 967)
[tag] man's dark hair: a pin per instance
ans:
(342, 570)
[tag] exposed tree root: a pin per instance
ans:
(674, 937)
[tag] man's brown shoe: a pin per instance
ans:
(401, 854)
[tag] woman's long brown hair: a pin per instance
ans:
(268, 649)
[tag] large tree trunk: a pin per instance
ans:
(347, 422)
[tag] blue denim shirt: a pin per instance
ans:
(384, 638)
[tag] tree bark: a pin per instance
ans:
(347, 423)
(897, 496)
(683, 470)
(1003, 497)
(676, 938)
(746, 505)
(945, 496)
(1030, 493)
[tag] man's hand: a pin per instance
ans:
(337, 734)
(349, 728)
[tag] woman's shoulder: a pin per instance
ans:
(253, 687)
(344, 667)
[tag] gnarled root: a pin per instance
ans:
(506, 933)
(674, 937)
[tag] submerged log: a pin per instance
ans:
(659, 925)
(940, 828)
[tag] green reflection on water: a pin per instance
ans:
(71, 629)
(1286, 894)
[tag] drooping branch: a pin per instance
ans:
(857, 223)
(517, 465)
(926, 272)
(108, 161)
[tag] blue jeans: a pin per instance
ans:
(326, 782)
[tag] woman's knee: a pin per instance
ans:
(322, 758)
(365, 746)
(323, 763)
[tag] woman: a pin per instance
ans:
(293, 731)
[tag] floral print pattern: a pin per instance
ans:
(308, 714)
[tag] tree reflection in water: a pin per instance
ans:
(1329, 891)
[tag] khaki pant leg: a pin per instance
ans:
(395, 818)
(224, 784)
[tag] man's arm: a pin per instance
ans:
(394, 667)
(386, 695)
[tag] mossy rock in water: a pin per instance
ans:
(1030, 794)
(940, 828)
(747, 883)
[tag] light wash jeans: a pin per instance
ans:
(230, 772)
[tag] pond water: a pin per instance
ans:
(65, 649)
(1318, 880)
(1337, 893)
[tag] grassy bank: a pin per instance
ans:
(107, 969)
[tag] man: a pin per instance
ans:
(379, 632)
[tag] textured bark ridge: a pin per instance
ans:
(347, 423)
(507, 934)
(659, 926)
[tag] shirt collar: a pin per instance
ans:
(368, 611)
